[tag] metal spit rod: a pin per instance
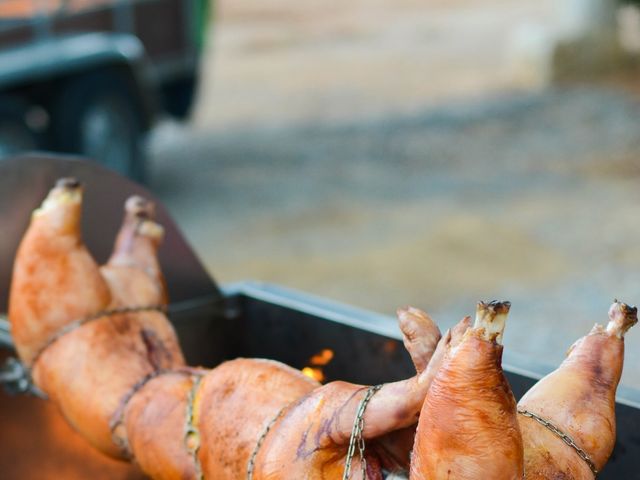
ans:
(14, 377)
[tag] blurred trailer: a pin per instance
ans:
(93, 76)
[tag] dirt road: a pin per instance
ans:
(383, 168)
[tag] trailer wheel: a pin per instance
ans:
(97, 115)
(178, 95)
(15, 134)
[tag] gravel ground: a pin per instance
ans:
(529, 197)
(284, 61)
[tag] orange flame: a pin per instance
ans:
(318, 360)
(322, 358)
(315, 373)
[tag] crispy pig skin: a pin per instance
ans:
(155, 422)
(304, 442)
(55, 281)
(468, 428)
(88, 371)
(121, 379)
(579, 399)
(133, 270)
(235, 403)
(131, 287)
(310, 439)
(545, 456)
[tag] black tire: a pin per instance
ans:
(15, 134)
(178, 96)
(98, 116)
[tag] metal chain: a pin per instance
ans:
(117, 418)
(70, 327)
(564, 437)
(15, 379)
(254, 454)
(357, 440)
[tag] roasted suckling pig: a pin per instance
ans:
(97, 342)
(99, 345)
(56, 284)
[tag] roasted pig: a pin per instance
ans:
(577, 400)
(468, 428)
(310, 438)
(98, 343)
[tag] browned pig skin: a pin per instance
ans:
(120, 379)
(136, 280)
(231, 406)
(134, 260)
(155, 425)
(234, 404)
(88, 370)
(310, 439)
(579, 399)
(55, 280)
(468, 428)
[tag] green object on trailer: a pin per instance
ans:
(202, 15)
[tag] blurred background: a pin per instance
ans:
(379, 152)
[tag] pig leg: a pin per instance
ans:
(395, 447)
(313, 434)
